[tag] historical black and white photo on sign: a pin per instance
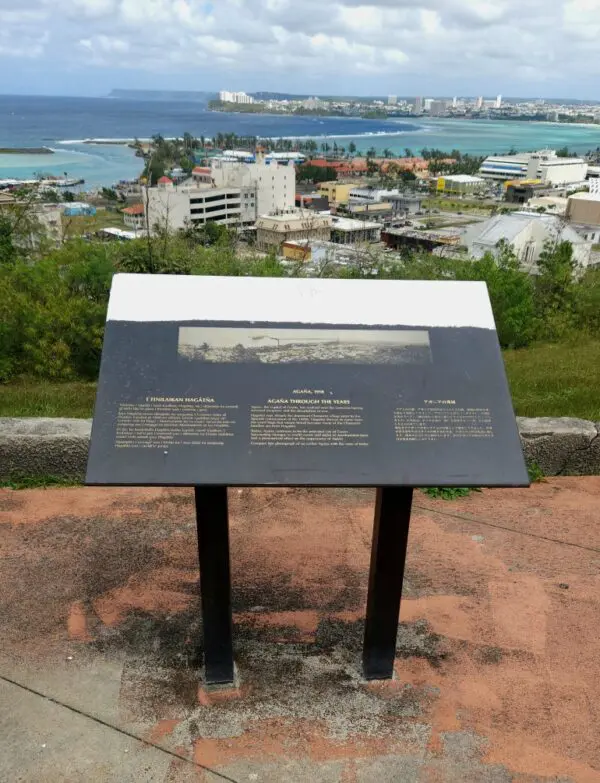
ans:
(293, 346)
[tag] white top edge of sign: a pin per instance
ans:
(153, 298)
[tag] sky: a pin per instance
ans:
(536, 48)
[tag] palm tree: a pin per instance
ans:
(352, 148)
(188, 143)
(387, 153)
(371, 152)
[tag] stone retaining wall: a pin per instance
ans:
(58, 447)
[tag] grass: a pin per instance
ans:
(43, 398)
(545, 379)
(560, 379)
(38, 482)
(79, 225)
(448, 493)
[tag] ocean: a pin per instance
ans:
(63, 123)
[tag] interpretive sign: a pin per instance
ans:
(271, 381)
(221, 381)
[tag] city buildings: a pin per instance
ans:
(460, 184)
(134, 216)
(404, 204)
(37, 220)
(544, 165)
(229, 192)
(527, 233)
(275, 183)
(273, 230)
(419, 239)
(235, 97)
(171, 208)
(347, 231)
(583, 210)
(336, 192)
(366, 195)
(437, 108)
(392, 100)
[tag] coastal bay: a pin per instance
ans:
(80, 132)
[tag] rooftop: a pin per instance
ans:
(464, 179)
(134, 209)
(585, 196)
(294, 220)
(348, 224)
(496, 659)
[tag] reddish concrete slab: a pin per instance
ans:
(497, 658)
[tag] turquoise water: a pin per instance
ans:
(61, 124)
(97, 164)
(481, 137)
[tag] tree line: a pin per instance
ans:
(53, 300)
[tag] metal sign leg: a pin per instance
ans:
(388, 556)
(215, 583)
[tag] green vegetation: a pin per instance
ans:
(243, 108)
(546, 379)
(454, 162)
(38, 482)
(35, 397)
(315, 174)
(53, 308)
(536, 474)
(556, 379)
(80, 225)
(449, 493)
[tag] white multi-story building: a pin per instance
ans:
(498, 102)
(228, 191)
(275, 184)
(392, 100)
(544, 165)
(235, 97)
(479, 103)
(171, 207)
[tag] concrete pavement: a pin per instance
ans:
(497, 663)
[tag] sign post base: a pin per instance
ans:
(388, 556)
(215, 583)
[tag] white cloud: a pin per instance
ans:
(251, 41)
(93, 8)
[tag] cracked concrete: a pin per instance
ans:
(561, 447)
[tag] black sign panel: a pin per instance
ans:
(263, 402)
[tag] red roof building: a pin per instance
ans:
(134, 209)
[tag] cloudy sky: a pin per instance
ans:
(540, 48)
